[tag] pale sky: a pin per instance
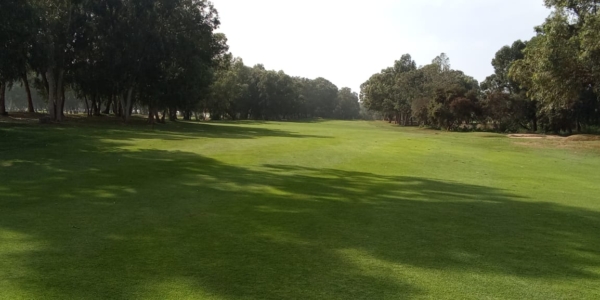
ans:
(348, 41)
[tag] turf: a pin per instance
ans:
(294, 210)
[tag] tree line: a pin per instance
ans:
(431, 95)
(161, 57)
(550, 83)
(242, 92)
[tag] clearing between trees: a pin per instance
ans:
(304, 210)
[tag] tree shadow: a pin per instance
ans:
(139, 130)
(253, 122)
(90, 220)
(230, 130)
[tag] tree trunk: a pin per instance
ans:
(51, 81)
(126, 106)
(95, 106)
(30, 107)
(157, 116)
(87, 106)
(92, 105)
(45, 81)
(108, 103)
(150, 116)
(187, 115)
(3, 99)
(172, 114)
(115, 106)
(119, 109)
(55, 93)
(62, 102)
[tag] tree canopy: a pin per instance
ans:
(164, 59)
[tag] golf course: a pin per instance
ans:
(294, 210)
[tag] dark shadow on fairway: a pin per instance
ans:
(235, 130)
(90, 221)
(171, 131)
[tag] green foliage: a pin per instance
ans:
(348, 107)
(551, 81)
(431, 95)
(560, 66)
(158, 53)
(16, 33)
(16, 27)
(241, 92)
(506, 105)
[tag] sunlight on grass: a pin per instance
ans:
(272, 210)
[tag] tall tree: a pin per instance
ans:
(348, 106)
(560, 67)
(57, 36)
(15, 35)
(507, 105)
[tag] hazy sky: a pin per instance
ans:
(348, 41)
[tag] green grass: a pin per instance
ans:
(316, 210)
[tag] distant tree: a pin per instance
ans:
(431, 95)
(348, 106)
(390, 91)
(507, 104)
(320, 97)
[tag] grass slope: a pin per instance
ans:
(322, 210)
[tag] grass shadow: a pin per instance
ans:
(85, 219)
(138, 129)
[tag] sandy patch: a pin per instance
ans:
(574, 142)
(534, 136)
(583, 138)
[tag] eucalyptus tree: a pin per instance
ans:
(373, 95)
(508, 108)
(193, 51)
(56, 39)
(320, 97)
(403, 88)
(229, 91)
(443, 62)
(389, 91)
(432, 95)
(348, 106)
(277, 95)
(560, 67)
(16, 29)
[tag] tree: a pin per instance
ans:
(320, 96)
(348, 106)
(389, 91)
(431, 95)
(230, 90)
(443, 62)
(560, 67)
(507, 105)
(56, 40)
(15, 35)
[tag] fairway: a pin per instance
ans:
(294, 210)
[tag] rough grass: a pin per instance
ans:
(316, 210)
